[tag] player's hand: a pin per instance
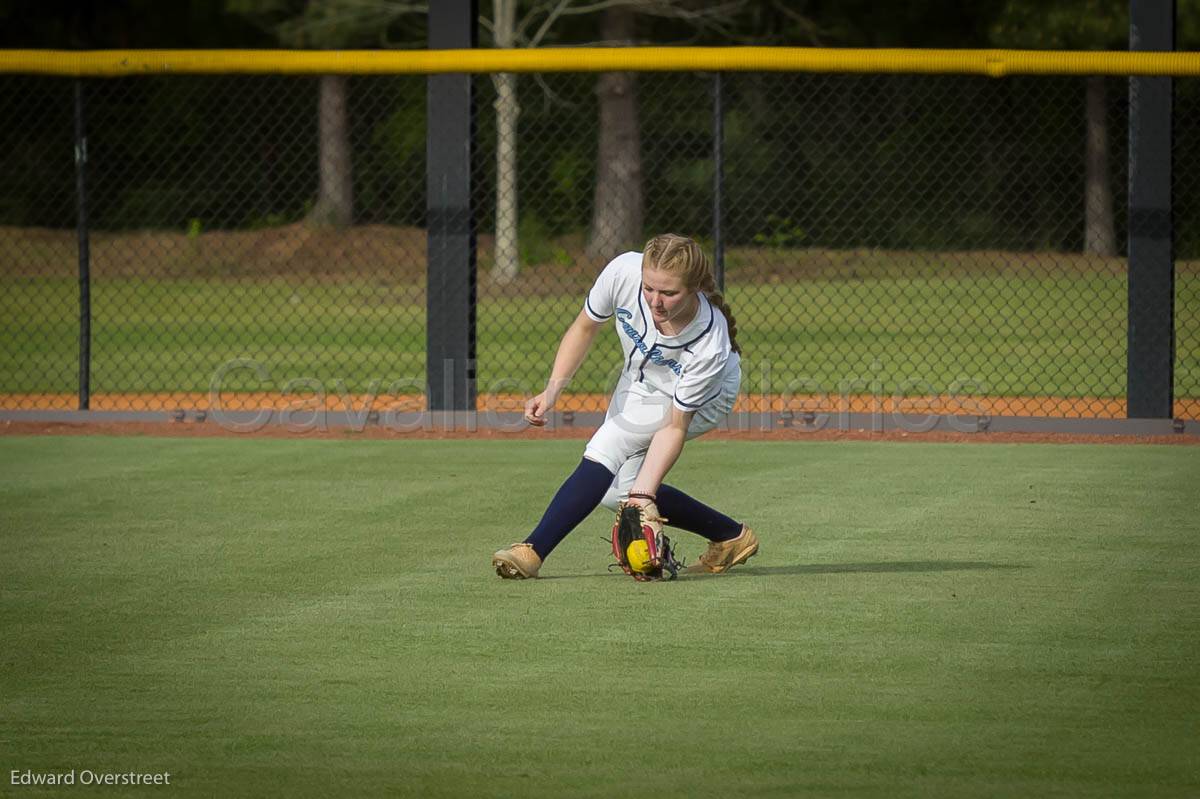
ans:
(537, 408)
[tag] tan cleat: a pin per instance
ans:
(724, 555)
(518, 562)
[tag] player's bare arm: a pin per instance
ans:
(571, 352)
(664, 451)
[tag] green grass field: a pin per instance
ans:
(317, 618)
(1011, 335)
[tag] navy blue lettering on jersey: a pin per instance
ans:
(654, 354)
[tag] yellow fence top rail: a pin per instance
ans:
(995, 63)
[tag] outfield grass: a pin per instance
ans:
(316, 618)
(1009, 335)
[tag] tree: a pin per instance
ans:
(1077, 24)
(1087, 25)
(515, 24)
(618, 204)
(328, 24)
(507, 260)
(617, 209)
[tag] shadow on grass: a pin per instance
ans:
(887, 567)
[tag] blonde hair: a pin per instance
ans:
(682, 256)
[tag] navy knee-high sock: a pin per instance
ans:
(694, 516)
(579, 495)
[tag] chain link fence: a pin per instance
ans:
(943, 244)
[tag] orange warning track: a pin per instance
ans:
(1058, 407)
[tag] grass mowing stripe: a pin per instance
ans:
(313, 616)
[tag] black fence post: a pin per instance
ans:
(85, 275)
(718, 180)
(450, 145)
(1151, 334)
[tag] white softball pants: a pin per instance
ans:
(634, 415)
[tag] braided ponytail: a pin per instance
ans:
(709, 287)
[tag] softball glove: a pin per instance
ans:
(639, 545)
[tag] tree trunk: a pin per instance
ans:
(617, 209)
(507, 258)
(335, 196)
(1098, 235)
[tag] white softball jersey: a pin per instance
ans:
(694, 371)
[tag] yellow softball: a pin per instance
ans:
(638, 555)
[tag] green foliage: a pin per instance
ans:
(267, 12)
(390, 165)
(326, 24)
(265, 221)
(693, 176)
(1080, 24)
(400, 137)
(1069, 25)
(537, 244)
(849, 161)
(569, 173)
(153, 204)
(780, 232)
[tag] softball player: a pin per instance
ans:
(680, 378)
